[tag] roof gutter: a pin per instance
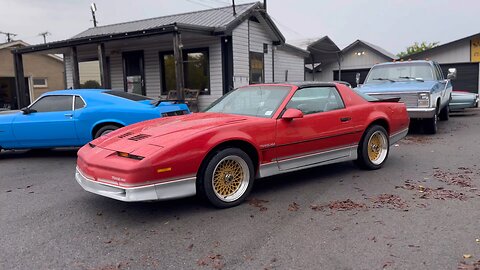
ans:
(176, 27)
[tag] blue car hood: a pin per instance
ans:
(410, 86)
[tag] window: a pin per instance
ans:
(400, 72)
(316, 99)
(259, 101)
(256, 68)
(196, 71)
(79, 103)
(53, 104)
(40, 82)
(130, 96)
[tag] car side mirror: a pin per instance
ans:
(291, 114)
(26, 110)
(452, 73)
(357, 78)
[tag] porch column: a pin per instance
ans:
(102, 61)
(339, 57)
(75, 70)
(177, 54)
(20, 80)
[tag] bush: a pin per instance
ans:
(91, 84)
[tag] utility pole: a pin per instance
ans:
(93, 8)
(233, 6)
(8, 35)
(45, 34)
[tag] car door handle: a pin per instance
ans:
(69, 115)
(345, 119)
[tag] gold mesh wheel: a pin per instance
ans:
(230, 178)
(377, 147)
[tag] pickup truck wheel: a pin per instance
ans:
(431, 125)
(445, 113)
(227, 178)
(373, 149)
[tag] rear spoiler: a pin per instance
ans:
(391, 99)
(174, 101)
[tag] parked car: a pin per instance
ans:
(462, 100)
(252, 132)
(75, 117)
(420, 85)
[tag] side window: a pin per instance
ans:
(439, 72)
(79, 103)
(53, 104)
(316, 99)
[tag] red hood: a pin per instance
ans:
(131, 138)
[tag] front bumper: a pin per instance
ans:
(162, 191)
(421, 112)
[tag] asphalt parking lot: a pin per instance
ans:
(421, 211)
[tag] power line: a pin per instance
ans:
(45, 34)
(8, 35)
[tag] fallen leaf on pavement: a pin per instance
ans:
(467, 256)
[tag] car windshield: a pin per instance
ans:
(259, 101)
(400, 72)
(126, 95)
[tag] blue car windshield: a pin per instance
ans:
(258, 101)
(400, 72)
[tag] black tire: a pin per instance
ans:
(445, 113)
(229, 159)
(431, 125)
(105, 130)
(364, 160)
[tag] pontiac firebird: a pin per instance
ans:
(249, 133)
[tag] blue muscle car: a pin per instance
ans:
(74, 117)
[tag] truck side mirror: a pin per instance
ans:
(357, 78)
(452, 73)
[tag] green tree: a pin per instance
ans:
(91, 84)
(416, 48)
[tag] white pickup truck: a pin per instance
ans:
(420, 84)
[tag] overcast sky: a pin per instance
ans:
(391, 24)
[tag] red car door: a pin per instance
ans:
(324, 134)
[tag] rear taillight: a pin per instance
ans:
(174, 113)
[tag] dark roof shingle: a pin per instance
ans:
(217, 19)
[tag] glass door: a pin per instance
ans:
(133, 72)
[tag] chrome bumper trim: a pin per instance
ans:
(421, 112)
(161, 191)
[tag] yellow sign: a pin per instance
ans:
(475, 50)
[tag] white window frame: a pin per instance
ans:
(40, 85)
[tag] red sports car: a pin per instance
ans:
(252, 132)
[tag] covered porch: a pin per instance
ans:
(147, 62)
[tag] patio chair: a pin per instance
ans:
(191, 98)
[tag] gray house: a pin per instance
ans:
(336, 64)
(213, 50)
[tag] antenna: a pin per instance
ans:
(8, 35)
(233, 6)
(265, 5)
(45, 34)
(93, 8)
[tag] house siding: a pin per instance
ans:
(350, 61)
(240, 46)
(291, 62)
(258, 37)
(151, 50)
